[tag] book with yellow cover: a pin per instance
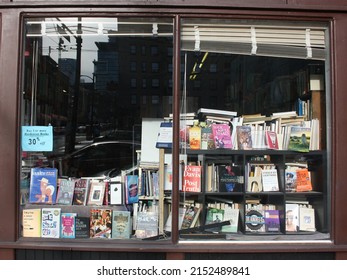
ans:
(31, 222)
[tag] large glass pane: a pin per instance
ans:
(253, 131)
(95, 91)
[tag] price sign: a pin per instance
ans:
(37, 138)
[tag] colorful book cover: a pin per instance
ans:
(100, 223)
(132, 186)
(291, 180)
(68, 225)
(195, 137)
(207, 141)
(190, 216)
(43, 185)
(230, 177)
(299, 139)
(271, 140)
(81, 192)
(244, 137)
(303, 180)
(121, 224)
(221, 136)
(31, 219)
(82, 227)
(51, 221)
(192, 178)
(254, 220)
(65, 191)
(272, 220)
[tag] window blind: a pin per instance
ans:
(306, 42)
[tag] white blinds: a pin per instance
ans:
(255, 39)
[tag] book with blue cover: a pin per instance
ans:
(43, 185)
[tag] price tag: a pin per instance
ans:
(37, 138)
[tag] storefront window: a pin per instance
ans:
(253, 145)
(89, 160)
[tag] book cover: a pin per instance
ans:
(230, 177)
(82, 227)
(68, 225)
(255, 184)
(96, 193)
(291, 180)
(81, 191)
(269, 180)
(271, 140)
(100, 223)
(31, 219)
(214, 215)
(192, 178)
(292, 217)
(168, 177)
(231, 215)
(272, 220)
(116, 192)
(65, 191)
(195, 137)
(164, 139)
(254, 220)
(190, 216)
(207, 141)
(121, 224)
(50, 225)
(307, 219)
(221, 136)
(303, 180)
(147, 224)
(244, 137)
(299, 139)
(132, 184)
(43, 185)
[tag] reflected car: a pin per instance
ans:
(98, 157)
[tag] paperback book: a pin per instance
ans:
(31, 219)
(96, 193)
(254, 220)
(82, 227)
(50, 226)
(221, 136)
(299, 139)
(65, 191)
(192, 178)
(121, 224)
(214, 215)
(68, 225)
(272, 220)
(244, 137)
(100, 223)
(81, 191)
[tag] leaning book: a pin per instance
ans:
(121, 224)
(50, 225)
(31, 219)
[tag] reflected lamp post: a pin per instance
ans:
(91, 115)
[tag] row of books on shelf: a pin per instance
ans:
(218, 129)
(258, 218)
(46, 187)
(259, 177)
(101, 223)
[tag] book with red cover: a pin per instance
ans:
(271, 140)
(192, 178)
(221, 136)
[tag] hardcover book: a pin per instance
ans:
(229, 177)
(191, 216)
(43, 185)
(31, 219)
(231, 215)
(65, 191)
(254, 220)
(192, 178)
(68, 225)
(50, 225)
(307, 219)
(272, 220)
(121, 224)
(81, 191)
(299, 139)
(82, 227)
(100, 223)
(269, 180)
(292, 217)
(96, 193)
(244, 137)
(132, 185)
(214, 215)
(221, 136)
